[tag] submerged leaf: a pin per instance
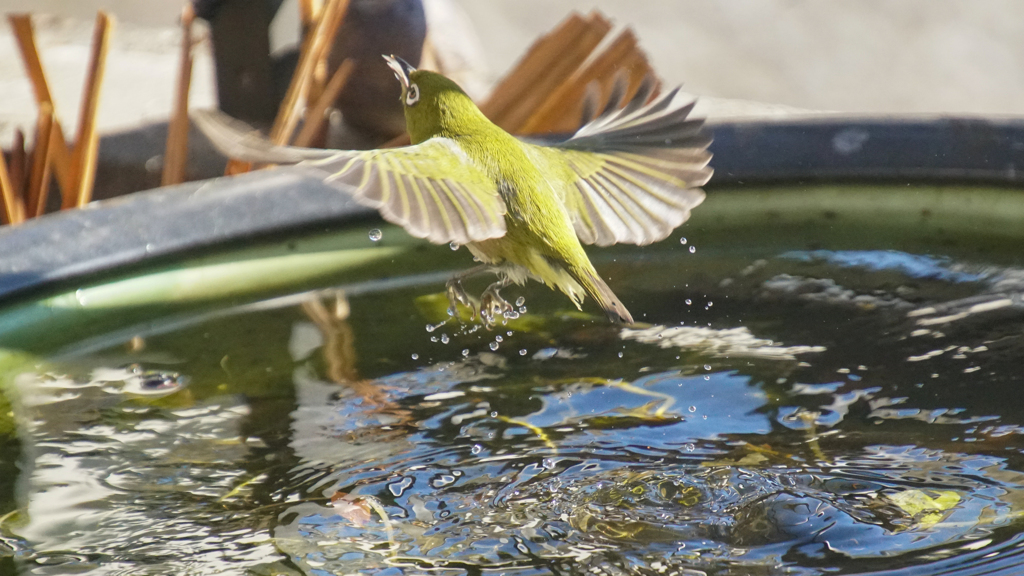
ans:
(914, 502)
(351, 507)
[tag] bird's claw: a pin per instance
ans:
(492, 305)
(457, 295)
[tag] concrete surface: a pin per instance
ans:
(876, 56)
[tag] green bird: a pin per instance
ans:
(524, 210)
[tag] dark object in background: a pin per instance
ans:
(370, 107)
(240, 30)
(251, 83)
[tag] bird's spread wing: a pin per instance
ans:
(637, 172)
(431, 189)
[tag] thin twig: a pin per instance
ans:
(22, 25)
(317, 114)
(87, 141)
(39, 179)
(176, 150)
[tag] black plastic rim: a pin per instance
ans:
(180, 220)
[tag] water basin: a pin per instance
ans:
(824, 379)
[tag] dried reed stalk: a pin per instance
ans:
(317, 114)
(569, 54)
(561, 111)
(25, 36)
(17, 164)
(39, 178)
(312, 51)
(314, 47)
(309, 14)
(12, 213)
(537, 57)
(546, 65)
(176, 149)
(87, 140)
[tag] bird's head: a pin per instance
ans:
(434, 105)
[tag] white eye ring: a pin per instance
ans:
(412, 95)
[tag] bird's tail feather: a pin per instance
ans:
(602, 294)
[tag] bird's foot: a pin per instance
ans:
(492, 305)
(457, 295)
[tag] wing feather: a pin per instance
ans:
(431, 189)
(637, 172)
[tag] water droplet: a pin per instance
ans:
(620, 354)
(494, 414)
(509, 333)
(690, 447)
(415, 356)
(522, 352)
(465, 353)
(454, 246)
(433, 338)
(493, 345)
(376, 234)
(710, 303)
(682, 240)
(476, 449)
(705, 416)
(692, 408)
(522, 309)
(693, 249)
(707, 377)
(431, 327)
(689, 302)
(444, 338)
(707, 366)
(498, 338)
(520, 301)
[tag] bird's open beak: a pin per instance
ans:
(402, 69)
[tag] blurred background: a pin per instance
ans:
(743, 57)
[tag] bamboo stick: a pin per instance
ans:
(557, 112)
(25, 36)
(176, 149)
(312, 50)
(16, 168)
(537, 57)
(318, 112)
(309, 14)
(8, 196)
(546, 65)
(87, 140)
(569, 54)
(39, 178)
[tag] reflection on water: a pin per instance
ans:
(787, 415)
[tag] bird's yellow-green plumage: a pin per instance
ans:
(630, 176)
